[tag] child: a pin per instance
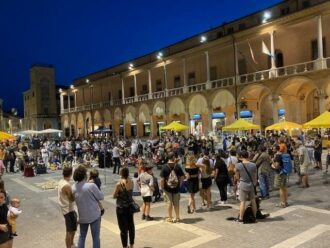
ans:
(94, 178)
(13, 213)
(136, 186)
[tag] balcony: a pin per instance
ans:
(296, 69)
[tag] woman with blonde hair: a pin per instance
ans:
(206, 179)
(192, 172)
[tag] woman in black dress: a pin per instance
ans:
(192, 172)
(5, 236)
(221, 176)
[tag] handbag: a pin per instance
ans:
(132, 205)
(231, 167)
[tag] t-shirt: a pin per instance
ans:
(147, 181)
(302, 151)
(165, 173)
(245, 181)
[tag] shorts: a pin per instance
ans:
(317, 156)
(328, 159)
(280, 180)
(71, 221)
(146, 199)
(246, 195)
(303, 169)
(173, 198)
(206, 182)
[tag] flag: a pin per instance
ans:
(252, 54)
(265, 49)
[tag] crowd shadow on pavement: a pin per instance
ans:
(191, 220)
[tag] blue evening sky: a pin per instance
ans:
(80, 37)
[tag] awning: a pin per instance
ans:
(50, 130)
(322, 121)
(175, 126)
(6, 136)
(284, 125)
(102, 130)
(240, 124)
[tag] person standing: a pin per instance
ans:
(221, 176)
(246, 173)
(147, 188)
(170, 179)
(6, 241)
(66, 203)
(116, 158)
(281, 176)
(192, 173)
(304, 163)
(263, 162)
(87, 197)
(125, 218)
(45, 155)
(318, 152)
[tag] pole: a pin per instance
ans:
(235, 77)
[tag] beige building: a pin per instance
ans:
(207, 80)
(40, 107)
(10, 122)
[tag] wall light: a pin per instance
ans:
(266, 16)
(203, 39)
(160, 55)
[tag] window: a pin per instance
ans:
(279, 58)
(131, 91)
(159, 86)
(219, 34)
(213, 73)
(242, 66)
(305, 4)
(109, 96)
(191, 78)
(230, 30)
(120, 95)
(315, 48)
(144, 89)
(177, 81)
(32, 93)
(241, 26)
(285, 11)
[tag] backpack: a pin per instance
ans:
(287, 164)
(173, 180)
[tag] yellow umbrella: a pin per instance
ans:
(240, 124)
(6, 136)
(175, 126)
(284, 125)
(322, 121)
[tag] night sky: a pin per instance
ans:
(80, 37)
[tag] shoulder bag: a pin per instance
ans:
(249, 175)
(133, 206)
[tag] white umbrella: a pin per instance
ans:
(50, 130)
(28, 132)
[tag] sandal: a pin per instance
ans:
(168, 220)
(177, 220)
(281, 205)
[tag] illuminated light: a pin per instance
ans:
(71, 86)
(203, 39)
(87, 80)
(60, 90)
(130, 66)
(267, 15)
(160, 55)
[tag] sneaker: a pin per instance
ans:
(239, 221)
(149, 218)
(143, 217)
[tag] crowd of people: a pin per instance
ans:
(243, 168)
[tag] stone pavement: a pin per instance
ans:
(306, 223)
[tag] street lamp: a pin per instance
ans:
(91, 101)
(203, 39)
(266, 16)
(160, 56)
(130, 67)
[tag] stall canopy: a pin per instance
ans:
(6, 136)
(50, 130)
(240, 124)
(28, 132)
(284, 125)
(175, 126)
(322, 121)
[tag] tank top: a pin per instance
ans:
(65, 205)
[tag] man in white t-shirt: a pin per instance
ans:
(116, 158)
(147, 187)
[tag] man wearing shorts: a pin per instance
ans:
(147, 187)
(171, 191)
(66, 202)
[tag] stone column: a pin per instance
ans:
(275, 99)
(208, 76)
(135, 89)
(185, 83)
(75, 99)
(273, 72)
(322, 97)
(150, 84)
(122, 91)
(165, 79)
(61, 102)
(69, 105)
(321, 63)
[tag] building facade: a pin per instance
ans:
(10, 122)
(40, 106)
(268, 66)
